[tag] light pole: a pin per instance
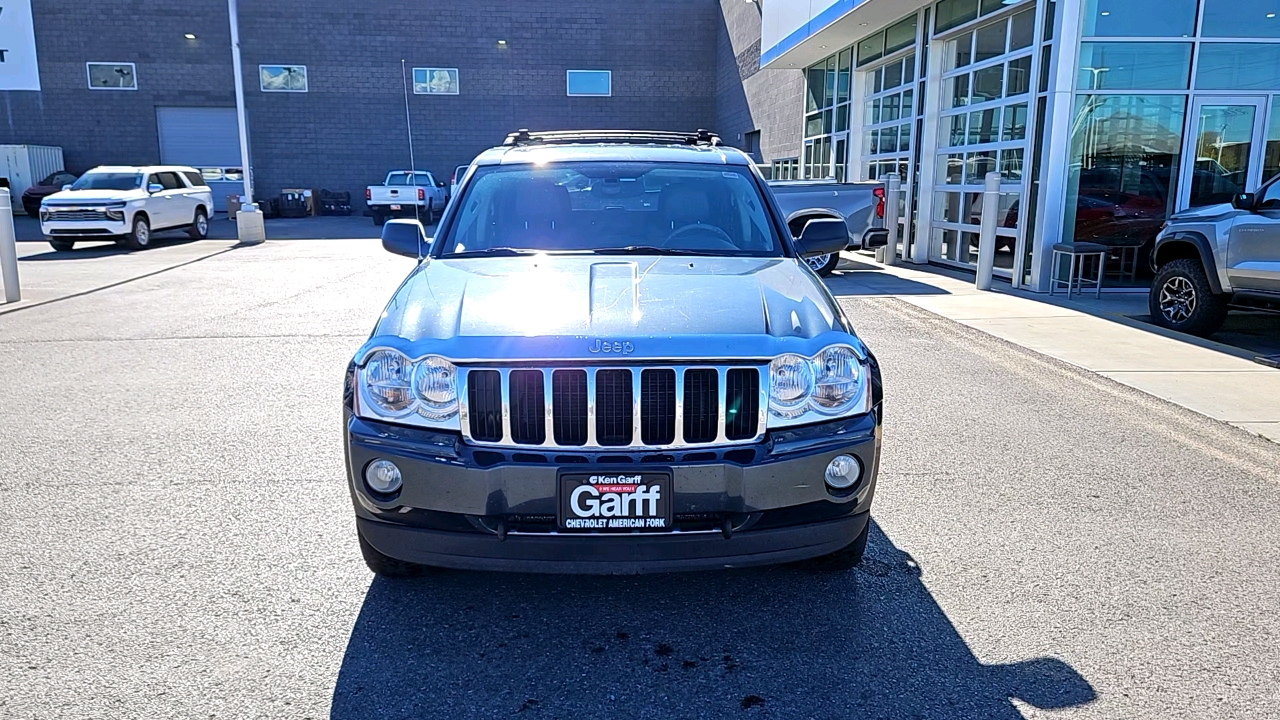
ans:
(249, 227)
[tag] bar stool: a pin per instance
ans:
(1075, 278)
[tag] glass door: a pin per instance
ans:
(1224, 154)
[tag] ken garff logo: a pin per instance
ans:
(622, 347)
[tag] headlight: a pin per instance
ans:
(387, 380)
(393, 387)
(839, 377)
(435, 382)
(829, 384)
(790, 385)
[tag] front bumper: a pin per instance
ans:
(472, 508)
(83, 228)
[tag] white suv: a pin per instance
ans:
(127, 204)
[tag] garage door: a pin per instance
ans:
(207, 139)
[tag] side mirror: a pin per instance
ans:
(154, 188)
(439, 183)
(822, 236)
(405, 237)
(1243, 201)
(66, 187)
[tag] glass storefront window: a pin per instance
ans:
(1139, 18)
(900, 35)
(989, 42)
(1224, 148)
(1241, 18)
(952, 13)
(1238, 66)
(1124, 164)
(1134, 66)
(988, 83)
(1022, 30)
(1271, 156)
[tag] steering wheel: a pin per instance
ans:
(714, 233)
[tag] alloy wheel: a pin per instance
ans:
(1177, 299)
(817, 262)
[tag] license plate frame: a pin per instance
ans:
(631, 493)
(395, 207)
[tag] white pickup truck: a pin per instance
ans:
(406, 194)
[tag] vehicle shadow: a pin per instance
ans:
(792, 642)
(853, 277)
(106, 249)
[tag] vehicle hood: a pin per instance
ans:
(73, 197)
(1208, 212)
(587, 306)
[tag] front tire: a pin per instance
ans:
(199, 229)
(140, 236)
(63, 245)
(846, 558)
(1181, 299)
(386, 565)
(824, 265)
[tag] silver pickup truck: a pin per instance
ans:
(1212, 258)
(859, 204)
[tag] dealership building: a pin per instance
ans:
(1102, 116)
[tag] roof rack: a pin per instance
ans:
(638, 137)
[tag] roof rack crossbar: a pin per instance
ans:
(645, 137)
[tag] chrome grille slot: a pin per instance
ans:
(528, 407)
(614, 408)
(658, 407)
(600, 408)
(484, 405)
(701, 405)
(82, 215)
(742, 403)
(569, 406)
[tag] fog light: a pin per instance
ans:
(382, 476)
(843, 472)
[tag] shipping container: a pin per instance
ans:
(26, 165)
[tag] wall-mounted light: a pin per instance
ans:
(189, 36)
(502, 43)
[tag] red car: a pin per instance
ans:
(32, 196)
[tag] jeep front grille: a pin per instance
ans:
(612, 408)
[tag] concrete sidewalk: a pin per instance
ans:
(1099, 335)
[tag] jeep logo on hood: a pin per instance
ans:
(621, 347)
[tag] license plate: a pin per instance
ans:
(615, 502)
(395, 207)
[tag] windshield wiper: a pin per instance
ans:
(653, 250)
(499, 251)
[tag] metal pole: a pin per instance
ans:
(240, 118)
(8, 250)
(892, 201)
(987, 236)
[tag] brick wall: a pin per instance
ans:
(349, 128)
(748, 98)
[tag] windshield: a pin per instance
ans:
(108, 181)
(658, 208)
(402, 178)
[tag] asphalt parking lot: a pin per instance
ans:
(178, 541)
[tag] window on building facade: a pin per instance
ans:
(435, 81)
(282, 78)
(827, 118)
(1140, 18)
(112, 76)
(1241, 18)
(889, 118)
(589, 83)
(954, 13)
(983, 128)
(786, 169)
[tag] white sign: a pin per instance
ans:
(18, 67)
